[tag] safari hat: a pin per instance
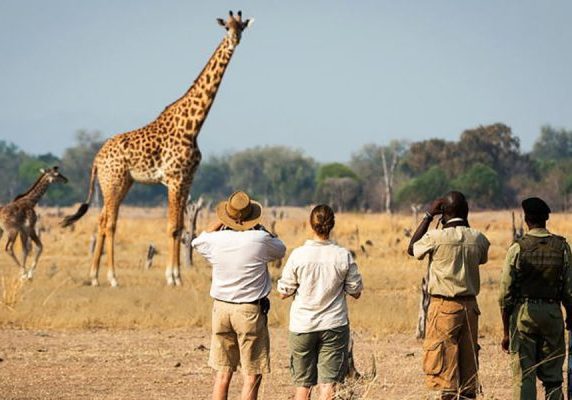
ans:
(239, 212)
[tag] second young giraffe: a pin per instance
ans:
(164, 151)
(18, 218)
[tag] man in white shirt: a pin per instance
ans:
(239, 248)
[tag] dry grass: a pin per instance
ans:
(59, 298)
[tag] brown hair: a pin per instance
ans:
(322, 220)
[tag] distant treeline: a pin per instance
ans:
(486, 163)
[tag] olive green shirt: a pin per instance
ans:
(508, 295)
(455, 254)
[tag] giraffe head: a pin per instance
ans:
(53, 175)
(234, 26)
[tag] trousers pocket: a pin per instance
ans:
(433, 358)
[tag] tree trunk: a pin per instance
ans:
(193, 210)
(388, 173)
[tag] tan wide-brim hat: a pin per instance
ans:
(239, 212)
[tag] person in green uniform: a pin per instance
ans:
(536, 279)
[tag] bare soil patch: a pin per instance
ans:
(159, 364)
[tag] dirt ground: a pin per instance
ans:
(156, 364)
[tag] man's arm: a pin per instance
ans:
(288, 282)
(436, 208)
(275, 248)
(567, 287)
(485, 244)
(507, 292)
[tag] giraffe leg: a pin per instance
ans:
(177, 200)
(94, 270)
(25, 250)
(10, 247)
(113, 199)
(112, 211)
(37, 254)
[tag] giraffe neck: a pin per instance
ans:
(188, 114)
(35, 192)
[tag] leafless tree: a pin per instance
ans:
(388, 174)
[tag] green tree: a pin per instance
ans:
(76, 165)
(481, 184)
(276, 175)
(379, 168)
(424, 188)
(212, 180)
(338, 185)
(334, 170)
(10, 159)
(553, 144)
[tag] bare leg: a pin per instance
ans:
(221, 385)
(177, 199)
(303, 393)
(37, 254)
(250, 387)
(100, 240)
(327, 391)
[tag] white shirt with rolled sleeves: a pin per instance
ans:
(240, 273)
(319, 274)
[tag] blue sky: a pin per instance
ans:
(323, 76)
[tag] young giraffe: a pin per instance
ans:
(19, 218)
(165, 151)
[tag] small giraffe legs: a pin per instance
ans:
(177, 199)
(10, 249)
(25, 250)
(37, 254)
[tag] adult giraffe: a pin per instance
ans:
(164, 151)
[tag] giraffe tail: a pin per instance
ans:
(71, 219)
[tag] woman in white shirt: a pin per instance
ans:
(319, 274)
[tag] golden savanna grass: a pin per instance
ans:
(59, 297)
(385, 317)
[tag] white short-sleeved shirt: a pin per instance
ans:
(319, 274)
(240, 273)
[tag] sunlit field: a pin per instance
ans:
(60, 301)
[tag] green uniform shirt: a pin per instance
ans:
(508, 295)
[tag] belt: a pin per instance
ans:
(537, 300)
(255, 302)
(468, 297)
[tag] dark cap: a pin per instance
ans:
(535, 206)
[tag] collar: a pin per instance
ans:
(312, 242)
(539, 232)
(455, 222)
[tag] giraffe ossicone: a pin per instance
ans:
(164, 151)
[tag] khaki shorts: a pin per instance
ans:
(239, 338)
(319, 356)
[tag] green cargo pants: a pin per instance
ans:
(537, 349)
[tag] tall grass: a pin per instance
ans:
(59, 297)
